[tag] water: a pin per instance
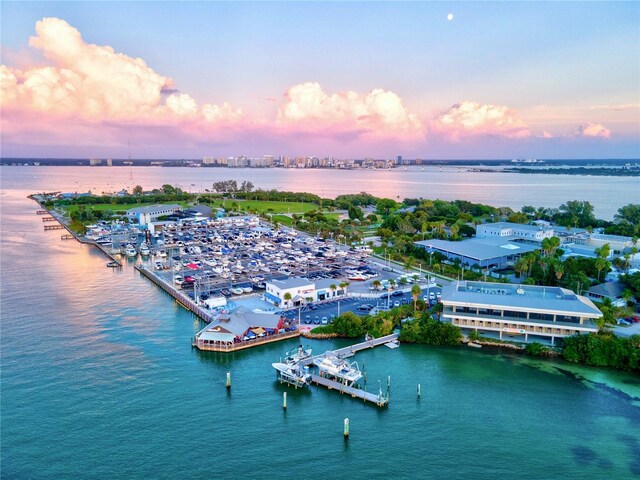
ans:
(513, 190)
(99, 381)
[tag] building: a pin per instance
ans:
(235, 330)
(302, 291)
(483, 252)
(299, 288)
(535, 233)
(144, 215)
(518, 312)
(94, 162)
(611, 290)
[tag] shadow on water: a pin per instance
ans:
(633, 445)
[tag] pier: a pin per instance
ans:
(49, 219)
(351, 350)
(380, 399)
(54, 227)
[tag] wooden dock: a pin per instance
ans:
(41, 212)
(49, 219)
(67, 236)
(381, 399)
(54, 227)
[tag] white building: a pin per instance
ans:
(145, 215)
(518, 312)
(535, 233)
(299, 288)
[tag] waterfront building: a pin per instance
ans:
(535, 233)
(144, 215)
(230, 330)
(95, 162)
(483, 252)
(518, 312)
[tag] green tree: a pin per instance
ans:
(287, 298)
(137, 190)
(415, 293)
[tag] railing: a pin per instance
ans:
(231, 347)
(587, 324)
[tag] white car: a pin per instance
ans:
(178, 279)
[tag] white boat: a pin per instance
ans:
(297, 354)
(247, 289)
(237, 291)
(357, 278)
(162, 254)
(338, 368)
(130, 251)
(292, 373)
(144, 249)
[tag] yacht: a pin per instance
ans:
(292, 373)
(144, 249)
(130, 251)
(339, 369)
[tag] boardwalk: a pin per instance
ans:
(380, 399)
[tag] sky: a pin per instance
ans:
(430, 80)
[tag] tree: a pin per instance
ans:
(333, 287)
(287, 298)
(137, 190)
(343, 286)
(415, 292)
(376, 284)
(602, 264)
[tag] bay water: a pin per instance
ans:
(99, 380)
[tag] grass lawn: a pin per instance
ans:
(118, 207)
(264, 206)
(283, 220)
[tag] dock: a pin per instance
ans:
(54, 227)
(380, 399)
(351, 350)
(49, 219)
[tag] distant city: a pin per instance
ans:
(273, 161)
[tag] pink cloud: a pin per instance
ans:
(470, 119)
(88, 84)
(596, 130)
(307, 108)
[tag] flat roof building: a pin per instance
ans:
(521, 312)
(484, 252)
(535, 233)
(145, 215)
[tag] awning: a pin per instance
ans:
(258, 330)
(272, 297)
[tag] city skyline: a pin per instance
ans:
(350, 80)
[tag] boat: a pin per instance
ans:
(296, 355)
(357, 278)
(247, 289)
(292, 374)
(237, 291)
(339, 369)
(474, 345)
(130, 251)
(144, 249)
(162, 253)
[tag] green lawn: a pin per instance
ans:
(264, 206)
(118, 207)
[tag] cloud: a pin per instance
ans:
(471, 119)
(307, 108)
(596, 130)
(91, 84)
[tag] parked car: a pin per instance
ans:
(365, 307)
(396, 303)
(397, 293)
(324, 321)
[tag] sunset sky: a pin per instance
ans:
(350, 80)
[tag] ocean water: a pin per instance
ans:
(98, 380)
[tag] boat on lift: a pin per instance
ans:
(292, 374)
(338, 368)
(296, 355)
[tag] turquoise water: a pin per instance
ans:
(99, 380)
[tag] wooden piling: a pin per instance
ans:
(284, 400)
(228, 380)
(346, 428)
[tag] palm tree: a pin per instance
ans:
(287, 298)
(601, 264)
(333, 287)
(415, 292)
(343, 286)
(376, 284)
(559, 270)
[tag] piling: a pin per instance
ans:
(284, 400)
(228, 380)
(346, 428)
(418, 390)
